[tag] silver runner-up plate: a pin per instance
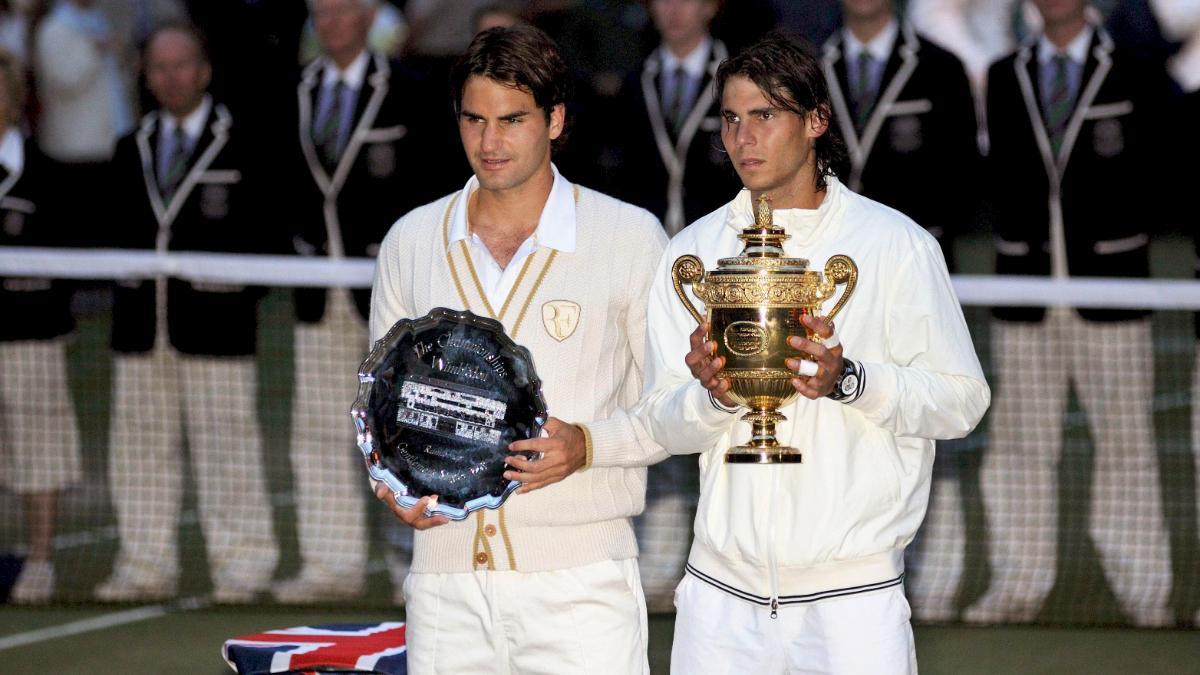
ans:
(439, 400)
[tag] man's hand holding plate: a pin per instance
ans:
(562, 452)
(415, 516)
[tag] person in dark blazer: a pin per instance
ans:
(905, 108)
(367, 153)
(670, 158)
(39, 440)
(671, 161)
(1070, 123)
(184, 351)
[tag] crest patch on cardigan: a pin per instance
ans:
(560, 317)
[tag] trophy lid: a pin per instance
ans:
(764, 246)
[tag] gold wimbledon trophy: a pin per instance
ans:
(754, 303)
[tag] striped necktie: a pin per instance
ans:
(329, 129)
(677, 107)
(864, 91)
(1058, 104)
(176, 165)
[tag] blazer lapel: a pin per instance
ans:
(370, 100)
(900, 67)
(147, 145)
(306, 95)
(704, 100)
(651, 86)
(838, 81)
(1095, 69)
(1025, 66)
(9, 178)
(208, 146)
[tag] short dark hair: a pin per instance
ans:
(187, 29)
(791, 79)
(519, 56)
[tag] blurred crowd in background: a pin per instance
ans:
(280, 126)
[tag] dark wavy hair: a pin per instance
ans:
(791, 79)
(519, 56)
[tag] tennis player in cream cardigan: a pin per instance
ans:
(548, 582)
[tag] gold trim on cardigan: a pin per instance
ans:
(587, 443)
(508, 547)
(462, 295)
(480, 537)
(533, 291)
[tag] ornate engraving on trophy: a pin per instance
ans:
(754, 302)
(746, 338)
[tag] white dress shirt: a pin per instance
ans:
(193, 126)
(556, 230)
(879, 47)
(12, 152)
(1076, 53)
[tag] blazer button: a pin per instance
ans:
(490, 530)
(481, 558)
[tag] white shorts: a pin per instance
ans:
(861, 633)
(589, 619)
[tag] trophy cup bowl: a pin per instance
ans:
(754, 302)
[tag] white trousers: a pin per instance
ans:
(156, 396)
(1112, 368)
(718, 634)
(589, 619)
(330, 479)
(39, 439)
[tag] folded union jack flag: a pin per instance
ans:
(357, 648)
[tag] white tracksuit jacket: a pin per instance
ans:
(837, 523)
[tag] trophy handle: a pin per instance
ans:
(689, 270)
(840, 269)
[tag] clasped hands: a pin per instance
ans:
(814, 379)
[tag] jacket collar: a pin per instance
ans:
(674, 155)
(804, 226)
(1095, 70)
(370, 99)
(211, 142)
(900, 67)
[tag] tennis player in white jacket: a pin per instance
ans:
(799, 567)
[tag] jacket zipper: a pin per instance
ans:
(772, 562)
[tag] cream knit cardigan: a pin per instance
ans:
(589, 378)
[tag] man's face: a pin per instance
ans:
(771, 148)
(682, 20)
(505, 134)
(342, 25)
(866, 9)
(176, 72)
(1056, 12)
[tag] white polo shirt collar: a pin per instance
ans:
(556, 230)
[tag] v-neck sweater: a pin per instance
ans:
(591, 372)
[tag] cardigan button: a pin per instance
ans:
(481, 558)
(490, 530)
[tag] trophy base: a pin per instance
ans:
(748, 454)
